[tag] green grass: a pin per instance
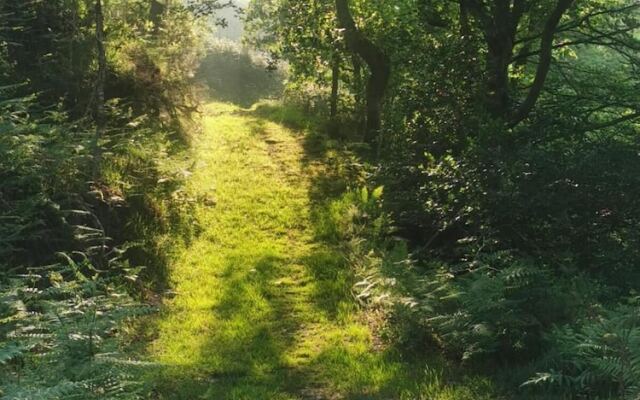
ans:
(263, 308)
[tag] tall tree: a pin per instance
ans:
(499, 24)
(335, 84)
(99, 88)
(379, 68)
(526, 32)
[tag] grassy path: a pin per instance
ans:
(263, 309)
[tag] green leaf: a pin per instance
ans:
(377, 193)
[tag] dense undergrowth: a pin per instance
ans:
(546, 318)
(509, 314)
(507, 237)
(72, 268)
(81, 252)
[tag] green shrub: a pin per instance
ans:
(497, 306)
(59, 333)
(599, 355)
(63, 283)
(41, 160)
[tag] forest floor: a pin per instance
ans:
(263, 306)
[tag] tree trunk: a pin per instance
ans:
(335, 85)
(465, 27)
(500, 51)
(359, 93)
(379, 68)
(375, 98)
(100, 83)
(156, 10)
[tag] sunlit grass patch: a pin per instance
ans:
(263, 306)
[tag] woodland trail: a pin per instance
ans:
(263, 308)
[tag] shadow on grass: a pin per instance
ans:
(318, 148)
(244, 355)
